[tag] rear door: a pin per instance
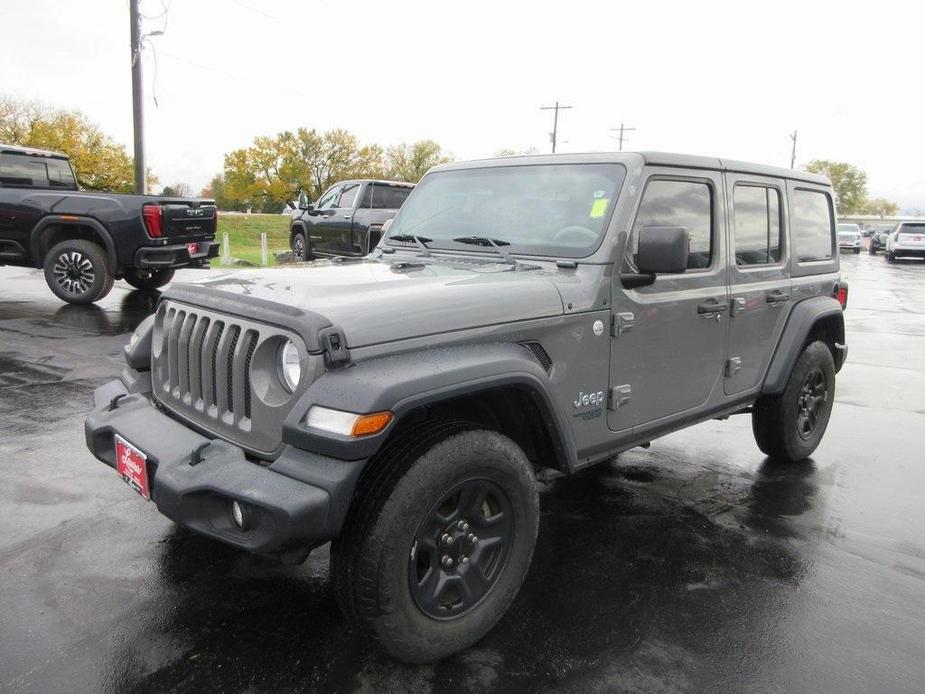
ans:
(335, 228)
(667, 356)
(758, 277)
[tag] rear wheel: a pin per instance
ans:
(148, 279)
(872, 250)
(438, 540)
(76, 271)
(790, 426)
(857, 250)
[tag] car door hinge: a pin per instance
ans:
(733, 366)
(621, 323)
(618, 396)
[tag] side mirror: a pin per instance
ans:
(662, 250)
(304, 205)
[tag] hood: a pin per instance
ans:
(377, 301)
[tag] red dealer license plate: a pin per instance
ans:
(193, 248)
(132, 466)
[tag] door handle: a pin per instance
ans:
(346, 216)
(776, 295)
(711, 306)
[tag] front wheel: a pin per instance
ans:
(438, 540)
(789, 426)
(890, 257)
(300, 250)
(76, 271)
(857, 250)
(149, 280)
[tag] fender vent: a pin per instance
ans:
(540, 354)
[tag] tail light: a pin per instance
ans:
(841, 293)
(153, 216)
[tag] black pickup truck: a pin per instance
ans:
(85, 240)
(347, 220)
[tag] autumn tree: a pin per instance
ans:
(98, 161)
(879, 206)
(177, 190)
(410, 162)
(849, 182)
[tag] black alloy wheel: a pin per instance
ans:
(460, 549)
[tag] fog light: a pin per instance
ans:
(239, 515)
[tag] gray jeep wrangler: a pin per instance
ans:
(520, 315)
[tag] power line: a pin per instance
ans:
(555, 121)
(620, 137)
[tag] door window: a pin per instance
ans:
(327, 200)
(349, 195)
(813, 225)
(757, 228)
(687, 204)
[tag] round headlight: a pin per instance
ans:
(290, 365)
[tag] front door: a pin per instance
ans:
(758, 277)
(336, 227)
(667, 352)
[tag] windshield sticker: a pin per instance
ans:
(598, 208)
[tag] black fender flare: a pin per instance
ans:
(799, 324)
(35, 239)
(403, 382)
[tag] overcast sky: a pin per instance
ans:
(727, 79)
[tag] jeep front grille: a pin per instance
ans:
(204, 368)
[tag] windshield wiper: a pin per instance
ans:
(488, 242)
(419, 240)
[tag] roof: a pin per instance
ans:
(378, 180)
(687, 161)
(17, 149)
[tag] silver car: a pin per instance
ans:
(849, 238)
(907, 241)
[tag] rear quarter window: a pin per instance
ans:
(813, 225)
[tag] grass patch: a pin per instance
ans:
(244, 232)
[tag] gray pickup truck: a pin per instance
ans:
(520, 315)
(347, 220)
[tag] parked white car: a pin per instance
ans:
(907, 241)
(849, 238)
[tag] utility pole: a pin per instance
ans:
(555, 121)
(793, 150)
(622, 129)
(137, 98)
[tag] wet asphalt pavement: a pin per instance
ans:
(695, 565)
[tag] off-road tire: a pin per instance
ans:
(149, 280)
(372, 558)
(300, 251)
(77, 272)
(775, 417)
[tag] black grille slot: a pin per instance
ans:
(542, 357)
(214, 363)
(229, 365)
(252, 345)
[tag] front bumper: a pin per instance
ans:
(175, 255)
(900, 252)
(295, 503)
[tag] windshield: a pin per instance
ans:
(912, 229)
(547, 209)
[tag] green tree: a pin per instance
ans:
(849, 182)
(98, 161)
(880, 206)
(409, 163)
